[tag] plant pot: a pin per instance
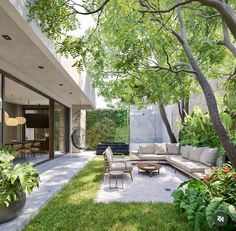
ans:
(14, 208)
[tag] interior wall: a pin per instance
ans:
(13, 133)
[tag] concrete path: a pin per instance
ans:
(54, 174)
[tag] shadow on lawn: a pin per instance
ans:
(74, 208)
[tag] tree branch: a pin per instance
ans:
(227, 41)
(168, 10)
(94, 11)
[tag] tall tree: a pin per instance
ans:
(166, 20)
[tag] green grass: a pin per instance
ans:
(74, 209)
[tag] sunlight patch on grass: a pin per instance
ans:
(74, 209)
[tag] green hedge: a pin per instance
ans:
(106, 125)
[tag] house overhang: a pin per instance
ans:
(29, 50)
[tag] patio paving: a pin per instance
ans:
(54, 174)
(144, 188)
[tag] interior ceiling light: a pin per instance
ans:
(6, 116)
(11, 122)
(41, 67)
(7, 37)
(21, 120)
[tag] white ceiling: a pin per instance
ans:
(18, 94)
(20, 57)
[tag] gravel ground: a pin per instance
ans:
(144, 188)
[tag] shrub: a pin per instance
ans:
(15, 178)
(106, 125)
(103, 131)
(201, 200)
(197, 130)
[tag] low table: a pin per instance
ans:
(149, 168)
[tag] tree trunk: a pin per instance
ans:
(167, 124)
(183, 108)
(226, 12)
(225, 140)
(186, 107)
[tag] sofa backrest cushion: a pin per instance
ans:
(173, 148)
(160, 148)
(195, 153)
(147, 149)
(220, 160)
(185, 151)
(209, 156)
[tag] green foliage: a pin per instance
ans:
(197, 130)
(201, 200)
(106, 125)
(75, 208)
(58, 20)
(102, 131)
(15, 178)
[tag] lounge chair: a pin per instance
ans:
(114, 164)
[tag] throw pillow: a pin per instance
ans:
(160, 148)
(209, 156)
(173, 148)
(195, 153)
(147, 149)
(185, 151)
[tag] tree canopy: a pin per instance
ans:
(151, 51)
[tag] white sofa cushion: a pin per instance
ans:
(173, 148)
(187, 165)
(147, 149)
(160, 148)
(195, 153)
(209, 156)
(185, 151)
(152, 157)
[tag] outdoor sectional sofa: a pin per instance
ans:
(194, 161)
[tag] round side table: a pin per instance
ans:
(116, 175)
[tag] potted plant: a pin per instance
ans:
(15, 181)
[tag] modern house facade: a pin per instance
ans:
(38, 85)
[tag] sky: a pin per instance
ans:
(87, 21)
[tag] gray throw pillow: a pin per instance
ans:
(160, 148)
(209, 156)
(195, 153)
(185, 151)
(147, 149)
(220, 161)
(173, 148)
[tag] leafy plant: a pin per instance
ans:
(106, 126)
(103, 131)
(201, 200)
(15, 178)
(197, 130)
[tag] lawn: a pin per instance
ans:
(74, 209)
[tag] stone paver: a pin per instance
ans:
(54, 175)
(157, 188)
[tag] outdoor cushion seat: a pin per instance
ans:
(187, 165)
(152, 157)
(120, 167)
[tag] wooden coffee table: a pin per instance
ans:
(150, 168)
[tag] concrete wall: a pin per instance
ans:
(196, 100)
(79, 122)
(146, 126)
